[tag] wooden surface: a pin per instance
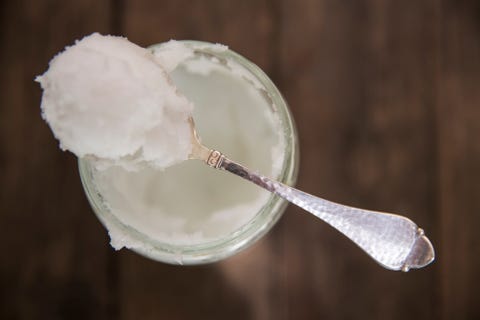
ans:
(386, 96)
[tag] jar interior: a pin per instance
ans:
(191, 204)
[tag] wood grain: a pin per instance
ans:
(458, 114)
(385, 96)
(54, 253)
(364, 124)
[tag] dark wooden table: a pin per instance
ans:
(386, 96)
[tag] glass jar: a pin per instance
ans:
(261, 221)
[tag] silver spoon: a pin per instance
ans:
(395, 242)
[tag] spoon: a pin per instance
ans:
(395, 242)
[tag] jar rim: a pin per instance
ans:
(241, 238)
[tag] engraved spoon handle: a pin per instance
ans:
(395, 242)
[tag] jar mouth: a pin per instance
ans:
(239, 239)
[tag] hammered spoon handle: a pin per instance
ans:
(394, 241)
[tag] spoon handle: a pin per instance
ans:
(395, 242)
